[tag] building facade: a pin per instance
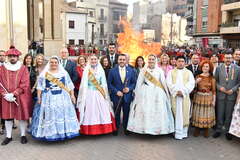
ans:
(75, 26)
(179, 7)
(14, 24)
(25, 21)
(207, 20)
(91, 30)
(230, 28)
(117, 11)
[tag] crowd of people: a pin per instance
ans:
(60, 98)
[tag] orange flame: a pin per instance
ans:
(132, 42)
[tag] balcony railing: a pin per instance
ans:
(230, 1)
(233, 24)
(102, 18)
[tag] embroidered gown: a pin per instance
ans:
(55, 118)
(150, 112)
(235, 124)
(203, 113)
(96, 115)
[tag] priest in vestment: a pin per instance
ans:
(181, 82)
(15, 95)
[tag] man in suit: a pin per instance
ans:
(112, 55)
(236, 57)
(227, 77)
(128, 61)
(69, 65)
(121, 83)
(194, 66)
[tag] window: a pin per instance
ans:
(91, 14)
(101, 13)
(81, 42)
(101, 29)
(116, 16)
(115, 28)
(71, 41)
(71, 24)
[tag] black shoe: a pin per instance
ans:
(216, 135)
(115, 133)
(24, 140)
(126, 132)
(228, 136)
(6, 141)
(14, 126)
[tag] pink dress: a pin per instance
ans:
(166, 70)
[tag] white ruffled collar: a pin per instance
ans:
(13, 67)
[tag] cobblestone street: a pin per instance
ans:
(133, 147)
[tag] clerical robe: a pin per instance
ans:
(181, 80)
(18, 83)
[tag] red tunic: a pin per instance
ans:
(18, 83)
(80, 74)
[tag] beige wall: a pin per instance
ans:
(13, 25)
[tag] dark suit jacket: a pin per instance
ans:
(190, 67)
(115, 60)
(220, 76)
(115, 84)
(71, 69)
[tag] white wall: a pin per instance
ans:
(80, 30)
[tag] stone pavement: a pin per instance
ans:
(133, 147)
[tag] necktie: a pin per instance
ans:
(112, 60)
(194, 68)
(64, 63)
(122, 74)
(228, 71)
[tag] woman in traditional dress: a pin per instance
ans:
(235, 124)
(150, 112)
(203, 114)
(164, 64)
(96, 114)
(54, 116)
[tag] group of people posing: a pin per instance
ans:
(62, 99)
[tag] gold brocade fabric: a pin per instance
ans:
(94, 81)
(153, 80)
(186, 100)
(56, 81)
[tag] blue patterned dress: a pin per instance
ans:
(55, 118)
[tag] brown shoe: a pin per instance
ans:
(196, 132)
(206, 133)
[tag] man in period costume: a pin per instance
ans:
(16, 99)
(227, 77)
(181, 82)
